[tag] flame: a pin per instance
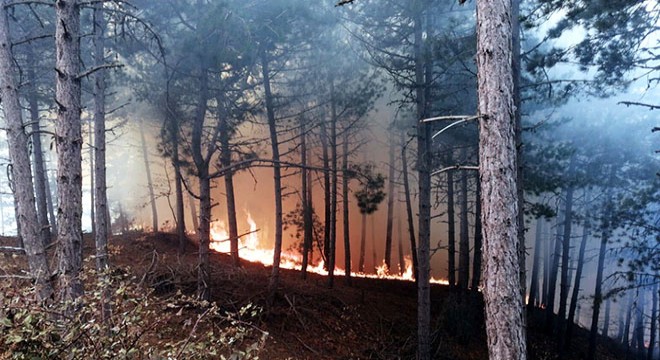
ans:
(250, 249)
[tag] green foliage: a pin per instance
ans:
(138, 326)
(371, 194)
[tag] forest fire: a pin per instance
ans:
(251, 250)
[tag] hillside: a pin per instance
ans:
(372, 319)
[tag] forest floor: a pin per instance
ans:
(371, 319)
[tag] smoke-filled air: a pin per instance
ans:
(331, 179)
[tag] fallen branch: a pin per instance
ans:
(11, 249)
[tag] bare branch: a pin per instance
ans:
(97, 68)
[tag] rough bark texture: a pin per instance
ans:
(20, 159)
(464, 244)
(68, 141)
(277, 178)
(424, 200)
(497, 166)
(478, 241)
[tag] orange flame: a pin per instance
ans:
(251, 250)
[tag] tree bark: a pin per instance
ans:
(503, 298)
(327, 222)
(38, 153)
(150, 185)
(478, 243)
(390, 204)
(363, 241)
(100, 199)
(533, 287)
(333, 192)
(565, 255)
(586, 229)
(654, 319)
(409, 212)
(552, 278)
(344, 193)
(225, 160)
(180, 211)
(307, 211)
(424, 201)
(464, 244)
(277, 178)
(68, 141)
(451, 228)
(598, 293)
(20, 159)
(399, 229)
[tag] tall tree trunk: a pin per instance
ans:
(363, 241)
(654, 319)
(374, 256)
(638, 332)
(565, 255)
(606, 319)
(68, 140)
(547, 263)
(20, 159)
(333, 192)
(180, 211)
(225, 160)
(598, 293)
(464, 244)
(92, 173)
(586, 229)
(424, 186)
(409, 212)
(327, 222)
(202, 166)
(476, 263)
(498, 169)
(307, 212)
(52, 219)
(625, 336)
(150, 185)
(552, 277)
(277, 178)
(534, 286)
(344, 193)
(451, 228)
(390, 203)
(100, 199)
(399, 229)
(38, 153)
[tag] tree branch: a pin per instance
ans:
(97, 68)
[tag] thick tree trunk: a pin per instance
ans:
(478, 243)
(344, 193)
(68, 141)
(37, 153)
(424, 200)
(333, 191)
(363, 241)
(18, 152)
(464, 244)
(451, 229)
(578, 276)
(277, 178)
(498, 169)
(409, 212)
(390, 204)
(534, 285)
(150, 185)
